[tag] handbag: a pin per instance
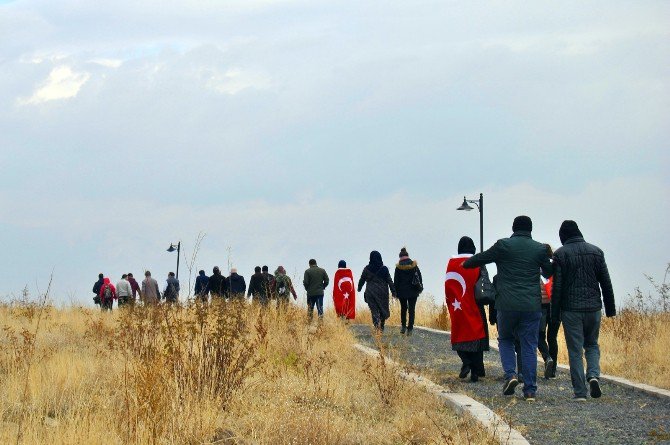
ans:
(485, 293)
(416, 281)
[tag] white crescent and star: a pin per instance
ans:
(456, 277)
(345, 280)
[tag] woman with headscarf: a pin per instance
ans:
(379, 281)
(469, 332)
(409, 284)
(344, 293)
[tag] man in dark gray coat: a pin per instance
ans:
(519, 260)
(315, 281)
(580, 272)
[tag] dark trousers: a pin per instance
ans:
(126, 300)
(552, 338)
(525, 326)
(542, 345)
(106, 305)
(475, 360)
(406, 305)
(581, 337)
(311, 302)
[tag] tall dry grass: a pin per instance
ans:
(224, 373)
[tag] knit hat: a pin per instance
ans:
(568, 230)
(466, 245)
(403, 252)
(342, 264)
(522, 223)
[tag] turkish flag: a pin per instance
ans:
(344, 294)
(459, 289)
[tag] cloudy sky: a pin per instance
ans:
(292, 129)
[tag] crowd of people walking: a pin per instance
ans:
(534, 291)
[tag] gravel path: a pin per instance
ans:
(620, 416)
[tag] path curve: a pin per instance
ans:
(622, 416)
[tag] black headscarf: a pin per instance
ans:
(342, 264)
(376, 264)
(466, 245)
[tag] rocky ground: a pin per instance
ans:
(620, 416)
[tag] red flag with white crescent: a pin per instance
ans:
(459, 290)
(344, 294)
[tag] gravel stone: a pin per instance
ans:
(621, 416)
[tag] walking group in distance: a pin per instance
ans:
(534, 291)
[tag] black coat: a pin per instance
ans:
(237, 284)
(580, 272)
(217, 286)
(96, 287)
(201, 284)
(257, 286)
(402, 279)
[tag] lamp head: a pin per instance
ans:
(465, 205)
(172, 248)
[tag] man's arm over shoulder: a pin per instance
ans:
(485, 257)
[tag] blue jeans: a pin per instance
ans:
(526, 326)
(581, 337)
(311, 301)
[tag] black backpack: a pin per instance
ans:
(417, 284)
(485, 293)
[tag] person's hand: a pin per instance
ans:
(295, 298)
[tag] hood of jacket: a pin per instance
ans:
(406, 265)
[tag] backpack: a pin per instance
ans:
(281, 286)
(485, 293)
(416, 281)
(107, 293)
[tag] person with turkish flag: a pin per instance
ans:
(344, 292)
(469, 332)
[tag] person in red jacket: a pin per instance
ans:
(547, 342)
(107, 295)
(469, 332)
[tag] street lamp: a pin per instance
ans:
(172, 248)
(480, 205)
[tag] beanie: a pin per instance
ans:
(522, 223)
(568, 230)
(342, 264)
(403, 252)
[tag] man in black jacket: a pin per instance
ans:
(237, 284)
(580, 272)
(257, 287)
(96, 288)
(217, 285)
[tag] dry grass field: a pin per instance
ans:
(204, 374)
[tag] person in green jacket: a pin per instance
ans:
(519, 260)
(315, 281)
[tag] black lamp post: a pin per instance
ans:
(172, 248)
(480, 205)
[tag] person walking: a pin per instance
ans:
(236, 285)
(269, 282)
(201, 286)
(96, 288)
(107, 295)
(546, 343)
(124, 292)
(150, 292)
(134, 287)
(519, 260)
(171, 292)
(377, 281)
(408, 285)
(469, 331)
(344, 292)
(217, 285)
(258, 287)
(315, 281)
(581, 285)
(283, 288)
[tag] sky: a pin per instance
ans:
(287, 130)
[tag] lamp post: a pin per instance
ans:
(172, 248)
(480, 205)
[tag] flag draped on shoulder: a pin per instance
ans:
(344, 294)
(459, 290)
